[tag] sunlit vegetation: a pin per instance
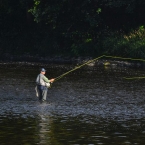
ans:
(131, 44)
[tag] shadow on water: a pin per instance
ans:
(89, 106)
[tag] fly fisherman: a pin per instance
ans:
(42, 85)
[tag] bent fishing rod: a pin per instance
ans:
(77, 67)
(103, 56)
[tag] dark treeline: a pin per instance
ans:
(72, 27)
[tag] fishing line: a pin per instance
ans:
(123, 58)
(103, 56)
(133, 78)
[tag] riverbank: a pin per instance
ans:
(102, 61)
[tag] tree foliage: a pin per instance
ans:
(78, 27)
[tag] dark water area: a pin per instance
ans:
(90, 106)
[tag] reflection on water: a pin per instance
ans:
(89, 106)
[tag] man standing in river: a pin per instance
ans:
(42, 85)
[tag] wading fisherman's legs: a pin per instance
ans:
(42, 92)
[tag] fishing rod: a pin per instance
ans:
(77, 67)
(103, 56)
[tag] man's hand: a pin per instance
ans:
(52, 80)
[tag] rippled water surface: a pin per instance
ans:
(86, 107)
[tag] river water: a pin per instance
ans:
(90, 106)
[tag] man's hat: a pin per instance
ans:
(43, 70)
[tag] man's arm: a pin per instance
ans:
(46, 79)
